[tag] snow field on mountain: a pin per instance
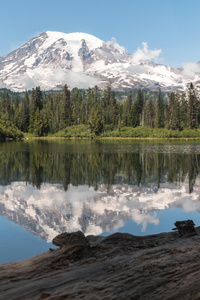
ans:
(81, 60)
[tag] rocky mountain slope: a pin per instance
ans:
(52, 59)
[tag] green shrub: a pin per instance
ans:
(75, 131)
(189, 133)
(145, 132)
(9, 130)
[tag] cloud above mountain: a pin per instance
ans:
(144, 54)
(190, 69)
(113, 43)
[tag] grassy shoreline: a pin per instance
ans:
(105, 138)
(82, 132)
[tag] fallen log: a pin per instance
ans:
(120, 266)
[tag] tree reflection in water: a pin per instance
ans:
(97, 162)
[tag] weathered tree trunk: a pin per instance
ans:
(185, 227)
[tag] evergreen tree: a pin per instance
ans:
(8, 105)
(18, 117)
(25, 113)
(183, 112)
(3, 104)
(95, 121)
(82, 111)
(32, 108)
(12, 110)
(66, 118)
(37, 123)
(160, 113)
(113, 109)
(171, 110)
(38, 98)
(174, 112)
(90, 102)
(150, 113)
(128, 107)
(32, 101)
(107, 94)
(96, 94)
(137, 108)
(176, 121)
(192, 107)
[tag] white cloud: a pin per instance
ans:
(3, 85)
(145, 54)
(113, 43)
(79, 79)
(46, 80)
(189, 69)
(144, 219)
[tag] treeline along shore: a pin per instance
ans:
(99, 113)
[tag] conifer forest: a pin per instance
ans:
(104, 113)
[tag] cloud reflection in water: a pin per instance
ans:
(51, 210)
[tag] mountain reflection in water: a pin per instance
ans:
(52, 187)
(50, 210)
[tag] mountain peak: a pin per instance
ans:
(72, 36)
(81, 60)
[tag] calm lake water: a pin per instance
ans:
(98, 187)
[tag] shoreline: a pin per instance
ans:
(109, 138)
(120, 266)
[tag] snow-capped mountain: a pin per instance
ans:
(53, 59)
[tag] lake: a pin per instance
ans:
(99, 187)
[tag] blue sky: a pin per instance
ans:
(170, 25)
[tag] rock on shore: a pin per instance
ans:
(120, 266)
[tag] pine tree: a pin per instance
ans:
(95, 121)
(3, 104)
(176, 120)
(82, 112)
(58, 105)
(32, 111)
(128, 107)
(66, 118)
(12, 111)
(107, 94)
(160, 112)
(174, 112)
(192, 107)
(113, 109)
(137, 108)
(38, 98)
(32, 101)
(37, 128)
(25, 113)
(90, 102)
(96, 94)
(150, 113)
(18, 117)
(183, 112)
(8, 105)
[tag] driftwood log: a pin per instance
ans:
(119, 266)
(185, 228)
(72, 239)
